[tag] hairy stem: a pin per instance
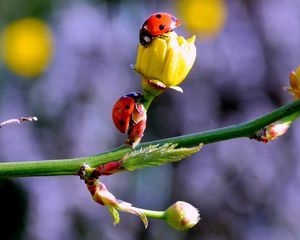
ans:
(72, 166)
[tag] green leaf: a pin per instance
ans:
(156, 155)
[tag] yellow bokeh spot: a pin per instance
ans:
(27, 47)
(205, 17)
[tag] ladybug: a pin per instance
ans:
(156, 25)
(123, 110)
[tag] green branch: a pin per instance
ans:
(72, 166)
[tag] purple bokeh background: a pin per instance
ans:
(243, 189)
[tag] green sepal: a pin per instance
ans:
(114, 213)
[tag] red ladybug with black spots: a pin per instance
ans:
(123, 109)
(129, 116)
(156, 25)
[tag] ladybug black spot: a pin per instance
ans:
(127, 107)
(161, 27)
(121, 122)
(158, 15)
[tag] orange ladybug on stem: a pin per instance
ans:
(156, 25)
(123, 109)
(129, 115)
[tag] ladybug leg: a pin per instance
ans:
(137, 109)
(163, 36)
(133, 120)
(137, 114)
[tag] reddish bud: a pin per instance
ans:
(108, 168)
(137, 125)
(272, 131)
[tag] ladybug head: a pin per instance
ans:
(145, 37)
(135, 95)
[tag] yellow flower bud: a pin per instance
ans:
(167, 60)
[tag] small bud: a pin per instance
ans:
(108, 168)
(276, 130)
(182, 215)
(273, 131)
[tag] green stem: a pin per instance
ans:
(72, 166)
(150, 91)
(152, 214)
(291, 117)
(147, 100)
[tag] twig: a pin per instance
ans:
(18, 120)
(72, 166)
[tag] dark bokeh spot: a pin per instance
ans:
(13, 208)
(113, 7)
(273, 91)
(84, 227)
(229, 103)
(161, 26)
(164, 118)
(158, 15)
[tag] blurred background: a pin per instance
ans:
(67, 62)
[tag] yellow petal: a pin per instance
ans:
(172, 57)
(139, 57)
(156, 57)
(298, 73)
(187, 60)
(192, 39)
(176, 88)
